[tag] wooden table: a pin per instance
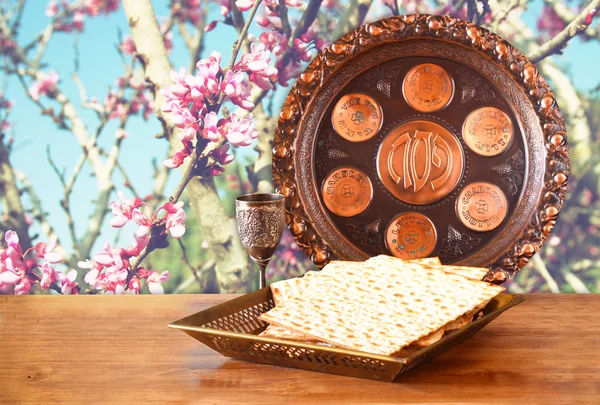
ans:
(118, 350)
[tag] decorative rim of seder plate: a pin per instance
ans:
(538, 118)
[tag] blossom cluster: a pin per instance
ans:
(129, 98)
(188, 11)
(45, 84)
(7, 44)
(127, 46)
(71, 17)
(549, 23)
(192, 99)
(20, 270)
(289, 258)
(112, 271)
(303, 49)
(5, 106)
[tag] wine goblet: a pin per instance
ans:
(260, 218)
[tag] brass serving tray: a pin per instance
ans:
(231, 329)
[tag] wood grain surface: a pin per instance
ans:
(118, 350)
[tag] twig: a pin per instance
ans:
(352, 17)
(285, 21)
(238, 42)
(510, 7)
(193, 269)
(188, 40)
(39, 214)
(578, 286)
(556, 44)
(67, 188)
(128, 183)
(541, 268)
(568, 15)
(198, 42)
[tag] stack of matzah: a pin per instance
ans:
(379, 306)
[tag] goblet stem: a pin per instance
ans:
(262, 265)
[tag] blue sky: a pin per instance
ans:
(100, 66)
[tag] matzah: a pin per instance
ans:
(377, 310)
(476, 273)
(282, 289)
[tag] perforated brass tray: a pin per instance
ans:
(231, 329)
(422, 135)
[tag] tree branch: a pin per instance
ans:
(11, 198)
(197, 44)
(568, 15)
(353, 17)
(219, 228)
(556, 44)
(40, 215)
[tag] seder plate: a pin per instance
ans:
(422, 136)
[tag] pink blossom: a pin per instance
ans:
(216, 171)
(221, 156)
(46, 251)
(134, 285)
(120, 133)
(210, 128)
(177, 159)
(240, 131)
(244, 5)
(187, 10)
(23, 286)
(127, 46)
(93, 8)
(12, 268)
(140, 218)
(549, 22)
(256, 63)
(51, 9)
(94, 270)
(175, 217)
(141, 240)
(69, 286)
(44, 85)
(123, 210)
(154, 280)
(274, 41)
(115, 260)
(236, 87)
(48, 276)
(209, 72)
(113, 276)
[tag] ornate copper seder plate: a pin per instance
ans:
(460, 108)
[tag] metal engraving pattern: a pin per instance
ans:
(473, 89)
(511, 172)
(532, 100)
(458, 244)
(367, 235)
(260, 226)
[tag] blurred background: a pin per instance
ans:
(89, 56)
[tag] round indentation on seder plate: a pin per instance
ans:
(347, 192)
(481, 206)
(488, 131)
(357, 117)
(428, 87)
(410, 236)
